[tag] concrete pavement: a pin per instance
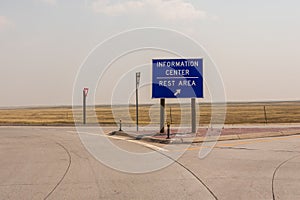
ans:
(52, 163)
(35, 164)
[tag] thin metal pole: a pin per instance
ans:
(266, 119)
(137, 104)
(162, 115)
(193, 111)
(84, 107)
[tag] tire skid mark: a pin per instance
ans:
(185, 168)
(275, 172)
(192, 173)
(66, 171)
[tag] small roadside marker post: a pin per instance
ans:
(168, 131)
(120, 125)
(85, 93)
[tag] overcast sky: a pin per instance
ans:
(43, 43)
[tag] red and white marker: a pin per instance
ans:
(86, 91)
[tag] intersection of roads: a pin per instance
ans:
(52, 163)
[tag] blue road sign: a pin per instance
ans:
(177, 78)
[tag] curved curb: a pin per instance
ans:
(207, 139)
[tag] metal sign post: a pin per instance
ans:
(85, 93)
(137, 79)
(193, 110)
(162, 115)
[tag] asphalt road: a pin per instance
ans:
(52, 163)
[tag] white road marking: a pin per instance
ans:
(87, 133)
(148, 145)
(124, 139)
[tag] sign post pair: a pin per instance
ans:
(177, 78)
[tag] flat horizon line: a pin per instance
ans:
(143, 104)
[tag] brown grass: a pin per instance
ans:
(237, 113)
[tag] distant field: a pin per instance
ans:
(237, 113)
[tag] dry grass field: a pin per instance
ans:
(237, 113)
